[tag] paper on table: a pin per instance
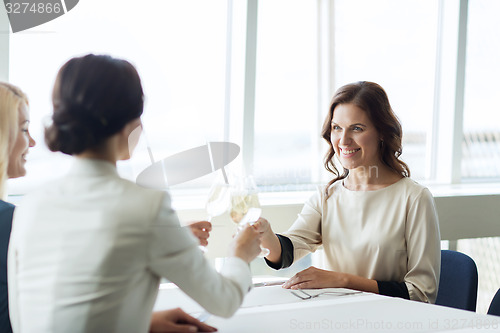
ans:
(261, 296)
(270, 295)
(273, 295)
(335, 292)
(263, 281)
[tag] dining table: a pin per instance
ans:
(268, 307)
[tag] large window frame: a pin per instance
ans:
(449, 95)
(443, 165)
(457, 200)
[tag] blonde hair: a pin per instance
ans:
(11, 98)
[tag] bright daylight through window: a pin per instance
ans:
(261, 74)
(193, 57)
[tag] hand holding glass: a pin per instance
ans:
(217, 203)
(245, 209)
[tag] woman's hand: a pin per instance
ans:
(269, 239)
(246, 244)
(176, 320)
(263, 227)
(312, 277)
(201, 230)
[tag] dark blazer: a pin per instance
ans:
(6, 211)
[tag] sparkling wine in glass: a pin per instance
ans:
(251, 217)
(245, 207)
(241, 202)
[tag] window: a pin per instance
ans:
(286, 105)
(261, 74)
(178, 47)
(195, 58)
(369, 47)
(481, 133)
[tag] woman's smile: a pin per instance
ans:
(354, 137)
(346, 152)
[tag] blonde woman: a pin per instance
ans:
(15, 141)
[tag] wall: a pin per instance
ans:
(460, 217)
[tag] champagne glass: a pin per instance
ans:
(217, 202)
(245, 206)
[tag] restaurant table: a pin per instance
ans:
(270, 308)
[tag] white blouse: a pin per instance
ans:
(390, 234)
(87, 253)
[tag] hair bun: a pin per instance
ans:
(94, 98)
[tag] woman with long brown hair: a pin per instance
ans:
(378, 228)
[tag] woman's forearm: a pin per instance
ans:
(271, 242)
(360, 283)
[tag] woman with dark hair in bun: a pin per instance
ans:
(87, 251)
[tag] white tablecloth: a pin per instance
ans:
(276, 310)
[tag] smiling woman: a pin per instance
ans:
(354, 138)
(15, 141)
(379, 230)
(23, 141)
(364, 134)
(14, 134)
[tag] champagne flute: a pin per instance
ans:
(217, 202)
(245, 207)
(251, 217)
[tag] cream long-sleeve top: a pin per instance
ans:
(390, 234)
(87, 253)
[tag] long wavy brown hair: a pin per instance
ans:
(371, 98)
